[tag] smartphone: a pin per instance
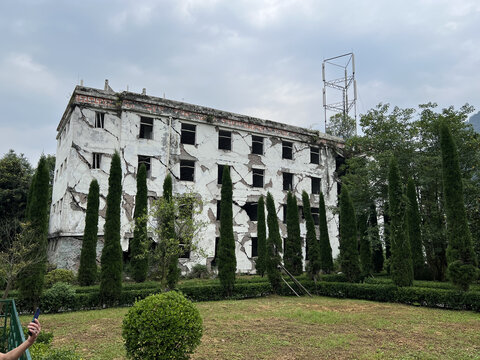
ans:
(37, 314)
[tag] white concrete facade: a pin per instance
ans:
(86, 141)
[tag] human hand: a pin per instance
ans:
(34, 328)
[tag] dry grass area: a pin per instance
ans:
(293, 328)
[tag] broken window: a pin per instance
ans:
(257, 145)
(99, 120)
(142, 159)
(251, 209)
(96, 161)
(220, 173)
(287, 150)
(254, 246)
(225, 140)
(218, 209)
(315, 185)
(146, 128)
(187, 170)
(188, 134)
(315, 215)
(287, 181)
(258, 178)
(314, 155)
(184, 250)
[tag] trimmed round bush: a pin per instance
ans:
(59, 275)
(60, 296)
(162, 326)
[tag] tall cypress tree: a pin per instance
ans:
(274, 246)
(349, 258)
(377, 248)
(461, 257)
(111, 259)
(173, 272)
(414, 234)
(30, 196)
(292, 255)
(138, 245)
(227, 262)
(326, 259)
(314, 265)
(87, 272)
(401, 259)
(260, 264)
(32, 279)
(365, 249)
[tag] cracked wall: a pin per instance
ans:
(79, 139)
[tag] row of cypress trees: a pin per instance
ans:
(270, 248)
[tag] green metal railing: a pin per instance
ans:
(11, 332)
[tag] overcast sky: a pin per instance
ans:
(256, 57)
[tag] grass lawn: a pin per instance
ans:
(292, 328)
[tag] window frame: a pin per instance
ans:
(99, 120)
(284, 176)
(257, 144)
(96, 161)
(287, 145)
(316, 191)
(255, 175)
(144, 125)
(222, 135)
(185, 134)
(314, 155)
(147, 160)
(183, 164)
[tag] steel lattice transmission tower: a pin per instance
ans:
(339, 78)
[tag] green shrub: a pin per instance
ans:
(60, 296)
(163, 326)
(41, 351)
(199, 271)
(44, 337)
(59, 275)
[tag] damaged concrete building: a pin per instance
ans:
(193, 143)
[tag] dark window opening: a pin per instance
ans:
(187, 170)
(97, 158)
(301, 214)
(257, 178)
(225, 140)
(220, 173)
(254, 246)
(219, 206)
(99, 120)
(315, 185)
(287, 181)
(147, 161)
(126, 254)
(252, 210)
(185, 251)
(188, 134)
(146, 128)
(315, 155)
(287, 150)
(284, 207)
(214, 261)
(257, 145)
(315, 215)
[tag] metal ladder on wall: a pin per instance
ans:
(11, 332)
(295, 281)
